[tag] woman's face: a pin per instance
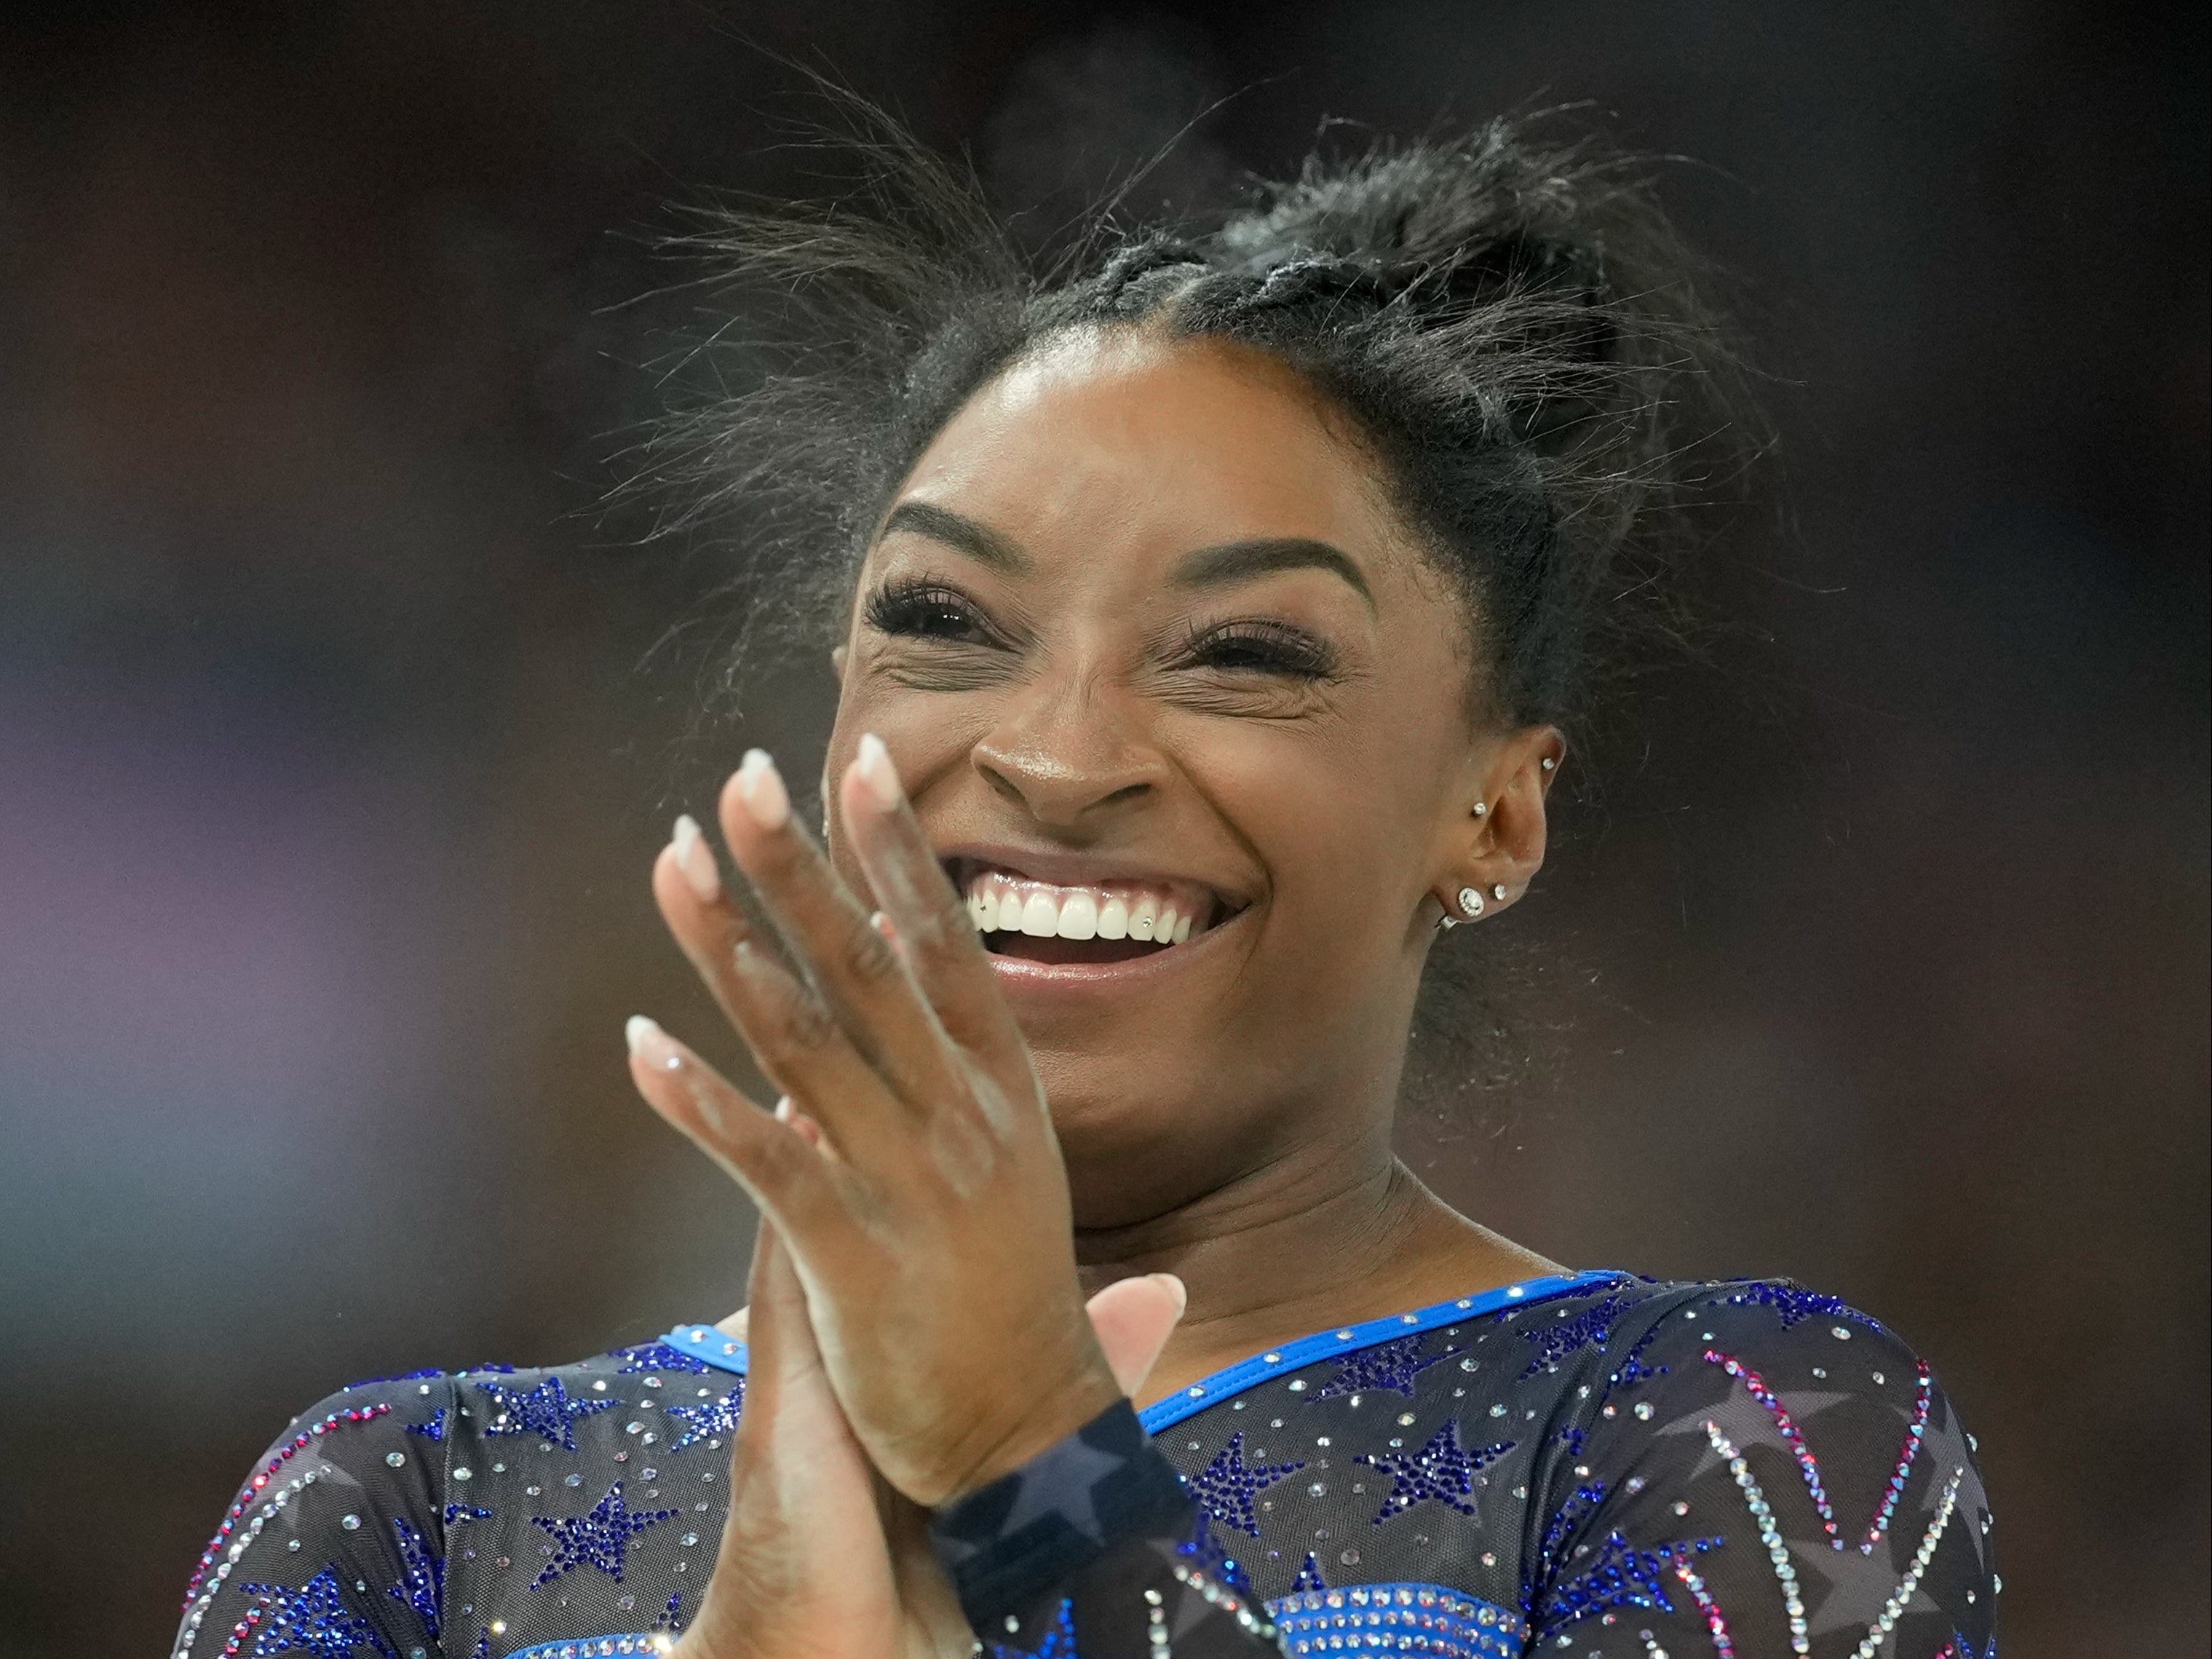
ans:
(1144, 637)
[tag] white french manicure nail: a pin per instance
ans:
(696, 860)
(876, 774)
(650, 1043)
(760, 786)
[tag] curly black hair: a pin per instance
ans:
(1509, 324)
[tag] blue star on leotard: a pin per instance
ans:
(711, 1417)
(546, 1412)
(1441, 1470)
(1615, 1577)
(312, 1619)
(1793, 1304)
(1593, 1324)
(1392, 1366)
(422, 1577)
(599, 1540)
(1226, 1487)
(658, 1357)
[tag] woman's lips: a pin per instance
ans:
(1086, 924)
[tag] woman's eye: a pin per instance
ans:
(927, 611)
(1263, 648)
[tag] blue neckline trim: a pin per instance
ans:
(726, 1353)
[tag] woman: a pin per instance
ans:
(1207, 616)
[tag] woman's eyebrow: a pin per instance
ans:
(964, 535)
(1235, 561)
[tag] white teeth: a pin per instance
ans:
(1004, 903)
(1079, 917)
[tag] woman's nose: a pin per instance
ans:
(1066, 757)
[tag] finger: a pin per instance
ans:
(859, 977)
(935, 932)
(1134, 1319)
(769, 1008)
(785, 1178)
(703, 916)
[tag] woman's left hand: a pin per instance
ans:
(933, 1243)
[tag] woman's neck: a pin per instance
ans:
(1284, 1252)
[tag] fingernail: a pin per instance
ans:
(696, 860)
(651, 1044)
(1181, 1294)
(760, 786)
(876, 774)
(783, 1108)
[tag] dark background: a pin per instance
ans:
(335, 744)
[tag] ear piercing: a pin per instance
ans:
(1549, 763)
(1480, 808)
(1470, 901)
(1497, 892)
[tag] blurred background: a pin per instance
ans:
(339, 724)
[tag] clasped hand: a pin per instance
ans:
(916, 1326)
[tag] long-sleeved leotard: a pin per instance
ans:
(1601, 1465)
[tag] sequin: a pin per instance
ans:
(714, 1417)
(545, 1411)
(312, 1619)
(599, 1540)
(1441, 1470)
(422, 1579)
(1226, 1487)
(1391, 1365)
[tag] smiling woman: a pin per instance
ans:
(1207, 616)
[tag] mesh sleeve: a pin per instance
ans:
(1767, 1472)
(336, 1542)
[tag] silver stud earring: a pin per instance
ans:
(1549, 763)
(1498, 891)
(1470, 901)
(1480, 808)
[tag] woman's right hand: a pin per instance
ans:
(820, 1558)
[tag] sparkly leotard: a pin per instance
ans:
(1599, 1465)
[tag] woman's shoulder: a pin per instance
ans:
(362, 1516)
(1771, 1447)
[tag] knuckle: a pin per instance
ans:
(807, 1026)
(868, 958)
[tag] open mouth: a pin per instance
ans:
(1084, 922)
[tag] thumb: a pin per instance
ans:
(1132, 1319)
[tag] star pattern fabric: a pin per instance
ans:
(1440, 1471)
(1674, 1463)
(421, 1577)
(1555, 1341)
(599, 1540)
(312, 1619)
(1794, 1302)
(660, 1356)
(1226, 1487)
(1391, 1367)
(545, 1411)
(709, 1418)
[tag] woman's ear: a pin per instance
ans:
(1493, 843)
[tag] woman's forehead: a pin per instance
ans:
(1149, 442)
